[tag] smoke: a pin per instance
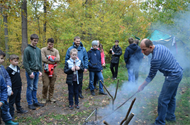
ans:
(180, 32)
(144, 105)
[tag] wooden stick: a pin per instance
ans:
(105, 123)
(129, 119)
(129, 110)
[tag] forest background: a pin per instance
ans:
(105, 20)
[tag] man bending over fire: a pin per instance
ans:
(164, 61)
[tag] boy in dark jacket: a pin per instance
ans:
(74, 70)
(5, 114)
(132, 57)
(14, 73)
(95, 67)
(116, 52)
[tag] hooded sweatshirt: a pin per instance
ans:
(133, 56)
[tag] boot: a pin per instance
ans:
(11, 123)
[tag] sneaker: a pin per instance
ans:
(11, 123)
(77, 106)
(102, 93)
(22, 111)
(43, 101)
(71, 107)
(52, 100)
(38, 104)
(92, 93)
(31, 107)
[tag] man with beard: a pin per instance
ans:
(82, 55)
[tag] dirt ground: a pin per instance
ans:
(61, 95)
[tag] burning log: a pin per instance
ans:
(129, 110)
(129, 119)
(113, 98)
(105, 123)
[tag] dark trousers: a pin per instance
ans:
(95, 80)
(73, 90)
(114, 73)
(15, 99)
(80, 85)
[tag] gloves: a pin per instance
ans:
(9, 90)
(51, 58)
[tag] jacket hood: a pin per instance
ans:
(34, 47)
(133, 46)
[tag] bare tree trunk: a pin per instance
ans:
(6, 35)
(45, 15)
(24, 25)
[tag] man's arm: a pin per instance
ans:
(44, 57)
(26, 62)
(119, 53)
(155, 65)
(3, 90)
(57, 59)
(85, 59)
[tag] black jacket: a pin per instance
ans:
(118, 52)
(69, 73)
(15, 77)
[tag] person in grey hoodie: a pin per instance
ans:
(33, 65)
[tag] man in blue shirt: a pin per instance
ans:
(163, 60)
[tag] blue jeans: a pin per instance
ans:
(73, 90)
(167, 101)
(5, 114)
(32, 86)
(100, 77)
(131, 75)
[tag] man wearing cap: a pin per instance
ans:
(82, 55)
(163, 60)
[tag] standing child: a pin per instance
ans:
(95, 67)
(14, 73)
(6, 116)
(74, 70)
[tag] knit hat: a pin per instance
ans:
(94, 42)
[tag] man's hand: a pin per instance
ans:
(113, 53)
(73, 68)
(40, 74)
(110, 49)
(77, 67)
(141, 87)
(1, 104)
(12, 93)
(32, 75)
(85, 70)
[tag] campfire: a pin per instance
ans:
(125, 121)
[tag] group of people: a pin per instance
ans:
(77, 61)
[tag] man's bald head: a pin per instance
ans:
(147, 42)
(147, 46)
